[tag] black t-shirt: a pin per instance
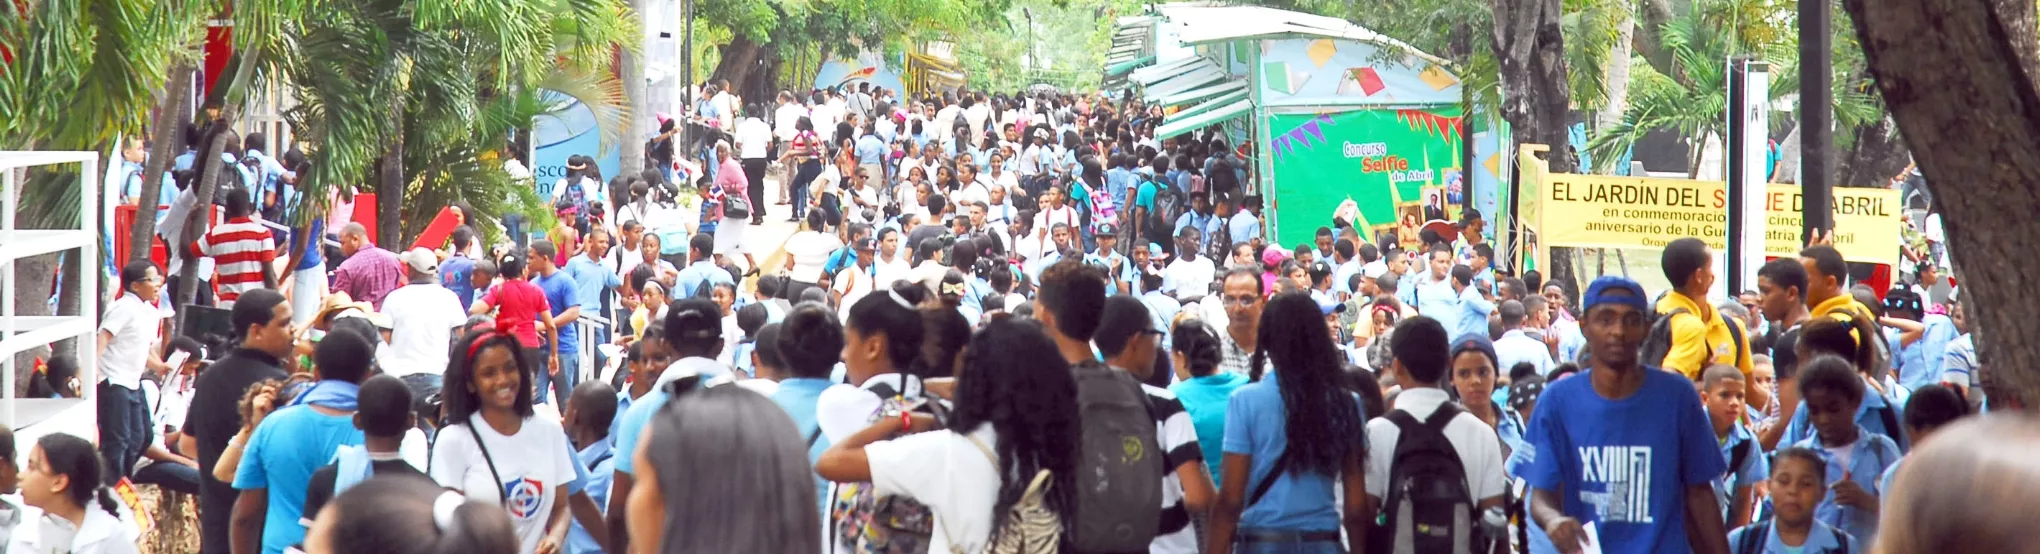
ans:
(213, 419)
(321, 489)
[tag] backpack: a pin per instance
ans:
(1430, 507)
(1658, 343)
(1028, 526)
(1161, 221)
(873, 524)
(1119, 473)
(1756, 534)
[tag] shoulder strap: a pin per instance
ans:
(1281, 466)
(1735, 335)
(1889, 417)
(1841, 539)
(1737, 455)
(814, 436)
(504, 498)
(1753, 538)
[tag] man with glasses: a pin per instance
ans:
(1241, 294)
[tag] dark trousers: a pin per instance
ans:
(123, 429)
(803, 177)
(170, 476)
(754, 170)
(203, 298)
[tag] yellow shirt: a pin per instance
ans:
(1700, 338)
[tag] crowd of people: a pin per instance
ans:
(1007, 323)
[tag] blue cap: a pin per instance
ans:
(1475, 342)
(1598, 293)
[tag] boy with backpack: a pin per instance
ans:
(1721, 391)
(1690, 335)
(590, 411)
(383, 415)
(1433, 468)
(1798, 479)
(1118, 500)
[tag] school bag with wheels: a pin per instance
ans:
(873, 524)
(1430, 507)
(1120, 468)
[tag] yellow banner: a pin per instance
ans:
(1867, 224)
(1597, 211)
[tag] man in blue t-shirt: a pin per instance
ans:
(288, 446)
(1624, 447)
(455, 273)
(564, 296)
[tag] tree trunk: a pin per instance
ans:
(632, 75)
(209, 172)
(1877, 156)
(1616, 79)
(1656, 13)
(1530, 49)
(1787, 170)
(1958, 77)
(164, 133)
(389, 195)
(739, 60)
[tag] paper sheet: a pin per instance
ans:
(1590, 539)
(177, 359)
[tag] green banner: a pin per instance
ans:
(1401, 168)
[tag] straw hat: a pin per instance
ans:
(337, 303)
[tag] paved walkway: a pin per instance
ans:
(767, 241)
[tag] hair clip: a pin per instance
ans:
(901, 300)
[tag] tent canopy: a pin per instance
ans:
(1205, 24)
(1176, 127)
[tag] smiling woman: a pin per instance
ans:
(497, 450)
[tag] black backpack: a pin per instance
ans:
(1756, 534)
(1430, 506)
(1119, 473)
(1161, 221)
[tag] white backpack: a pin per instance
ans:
(1028, 527)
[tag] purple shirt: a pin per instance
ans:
(369, 275)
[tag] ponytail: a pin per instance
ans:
(106, 500)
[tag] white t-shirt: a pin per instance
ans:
(784, 119)
(754, 139)
(1480, 453)
(843, 410)
(948, 473)
(134, 325)
(533, 464)
(854, 282)
(1189, 278)
(425, 316)
(892, 272)
(810, 251)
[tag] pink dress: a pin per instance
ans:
(730, 177)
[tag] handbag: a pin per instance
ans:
(736, 207)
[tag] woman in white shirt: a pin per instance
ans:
(731, 475)
(807, 252)
(498, 450)
(1015, 415)
(78, 516)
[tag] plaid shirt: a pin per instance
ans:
(369, 275)
(1234, 359)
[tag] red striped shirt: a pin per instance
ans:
(239, 249)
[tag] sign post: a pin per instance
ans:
(1748, 157)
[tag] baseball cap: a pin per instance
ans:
(1327, 306)
(1273, 256)
(1320, 269)
(1108, 229)
(1155, 252)
(1610, 289)
(1475, 342)
(421, 260)
(867, 243)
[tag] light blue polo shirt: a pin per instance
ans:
(798, 396)
(1256, 424)
(1821, 539)
(640, 414)
(1868, 457)
(1753, 470)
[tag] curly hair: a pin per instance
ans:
(1324, 425)
(1198, 343)
(1015, 380)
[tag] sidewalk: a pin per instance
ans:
(767, 241)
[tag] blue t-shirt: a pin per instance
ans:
(1206, 399)
(315, 253)
(456, 275)
(694, 275)
(1257, 424)
(798, 397)
(590, 280)
(1625, 463)
(562, 293)
(281, 456)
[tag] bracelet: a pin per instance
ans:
(906, 421)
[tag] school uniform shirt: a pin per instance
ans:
(1516, 347)
(1754, 468)
(1126, 271)
(532, 464)
(134, 324)
(1869, 415)
(949, 472)
(99, 533)
(600, 460)
(1862, 461)
(1479, 450)
(1244, 227)
(1177, 435)
(1958, 362)
(325, 480)
(1922, 363)
(1473, 314)
(1821, 539)
(1625, 464)
(700, 276)
(843, 409)
(1256, 424)
(282, 454)
(1702, 340)
(1434, 298)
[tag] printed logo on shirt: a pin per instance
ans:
(1623, 476)
(523, 496)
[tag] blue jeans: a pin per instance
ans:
(170, 476)
(1288, 548)
(123, 429)
(514, 225)
(562, 384)
(802, 179)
